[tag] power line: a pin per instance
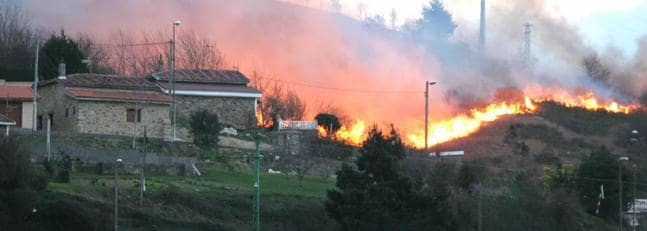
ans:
(342, 89)
(129, 45)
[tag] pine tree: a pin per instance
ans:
(373, 195)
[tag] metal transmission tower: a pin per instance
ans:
(527, 52)
(482, 28)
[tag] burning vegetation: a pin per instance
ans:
(464, 124)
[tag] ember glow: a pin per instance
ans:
(463, 125)
(590, 102)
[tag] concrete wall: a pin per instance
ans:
(110, 118)
(235, 111)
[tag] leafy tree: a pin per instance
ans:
(17, 43)
(560, 176)
(205, 128)
(600, 168)
(59, 48)
(436, 22)
(373, 195)
(328, 121)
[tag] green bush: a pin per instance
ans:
(328, 121)
(205, 128)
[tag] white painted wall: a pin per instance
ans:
(27, 114)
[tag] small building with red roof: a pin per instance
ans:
(16, 102)
(104, 104)
(222, 92)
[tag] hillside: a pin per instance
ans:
(569, 133)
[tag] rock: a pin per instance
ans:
(229, 131)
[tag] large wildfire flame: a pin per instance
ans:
(466, 124)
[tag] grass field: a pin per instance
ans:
(211, 180)
(218, 199)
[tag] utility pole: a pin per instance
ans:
(633, 203)
(175, 24)
(620, 198)
(427, 84)
(256, 210)
(482, 29)
(480, 214)
(117, 194)
(142, 180)
(49, 139)
(621, 158)
(35, 89)
(527, 51)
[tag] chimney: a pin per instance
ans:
(160, 64)
(61, 70)
(482, 28)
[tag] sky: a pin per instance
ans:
(602, 23)
(369, 74)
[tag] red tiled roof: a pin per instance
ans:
(210, 87)
(18, 93)
(204, 76)
(117, 95)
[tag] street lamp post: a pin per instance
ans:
(427, 84)
(633, 203)
(119, 161)
(634, 138)
(621, 158)
(175, 24)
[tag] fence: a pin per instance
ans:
(297, 125)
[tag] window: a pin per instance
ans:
(51, 119)
(74, 110)
(134, 115)
(67, 112)
(39, 121)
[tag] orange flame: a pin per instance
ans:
(353, 135)
(259, 119)
(464, 125)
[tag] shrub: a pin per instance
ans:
(205, 128)
(328, 121)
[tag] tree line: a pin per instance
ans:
(386, 190)
(122, 53)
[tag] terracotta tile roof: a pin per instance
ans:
(108, 82)
(210, 87)
(16, 93)
(204, 76)
(116, 95)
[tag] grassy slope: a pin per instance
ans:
(217, 200)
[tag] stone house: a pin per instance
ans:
(103, 104)
(223, 92)
(16, 102)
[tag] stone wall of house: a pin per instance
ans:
(104, 117)
(53, 101)
(235, 111)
